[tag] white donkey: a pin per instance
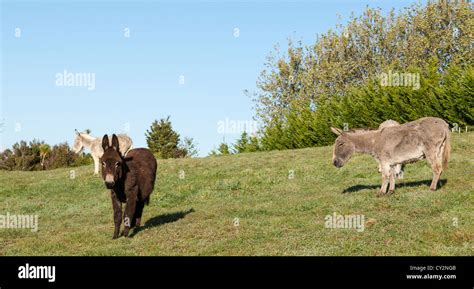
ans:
(95, 145)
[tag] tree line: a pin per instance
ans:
(163, 141)
(37, 155)
(403, 66)
(344, 78)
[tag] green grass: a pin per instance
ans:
(277, 215)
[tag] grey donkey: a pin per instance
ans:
(426, 138)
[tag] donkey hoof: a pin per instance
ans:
(125, 232)
(433, 188)
(390, 192)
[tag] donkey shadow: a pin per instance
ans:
(161, 220)
(357, 188)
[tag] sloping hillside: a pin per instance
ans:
(272, 203)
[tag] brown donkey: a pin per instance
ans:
(427, 137)
(130, 180)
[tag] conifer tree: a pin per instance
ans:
(161, 139)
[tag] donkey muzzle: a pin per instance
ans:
(109, 185)
(109, 181)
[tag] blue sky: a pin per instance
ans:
(137, 78)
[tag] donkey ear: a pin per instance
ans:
(115, 142)
(105, 142)
(337, 131)
(78, 133)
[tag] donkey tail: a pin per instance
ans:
(447, 149)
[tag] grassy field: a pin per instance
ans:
(249, 204)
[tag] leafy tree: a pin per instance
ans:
(189, 147)
(26, 155)
(45, 149)
(37, 155)
(61, 156)
(337, 80)
(7, 161)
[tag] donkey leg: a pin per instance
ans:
(129, 212)
(96, 164)
(436, 167)
(391, 189)
(437, 170)
(385, 179)
(399, 171)
(144, 197)
(137, 217)
(117, 206)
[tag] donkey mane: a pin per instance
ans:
(86, 136)
(354, 130)
(363, 140)
(87, 139)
